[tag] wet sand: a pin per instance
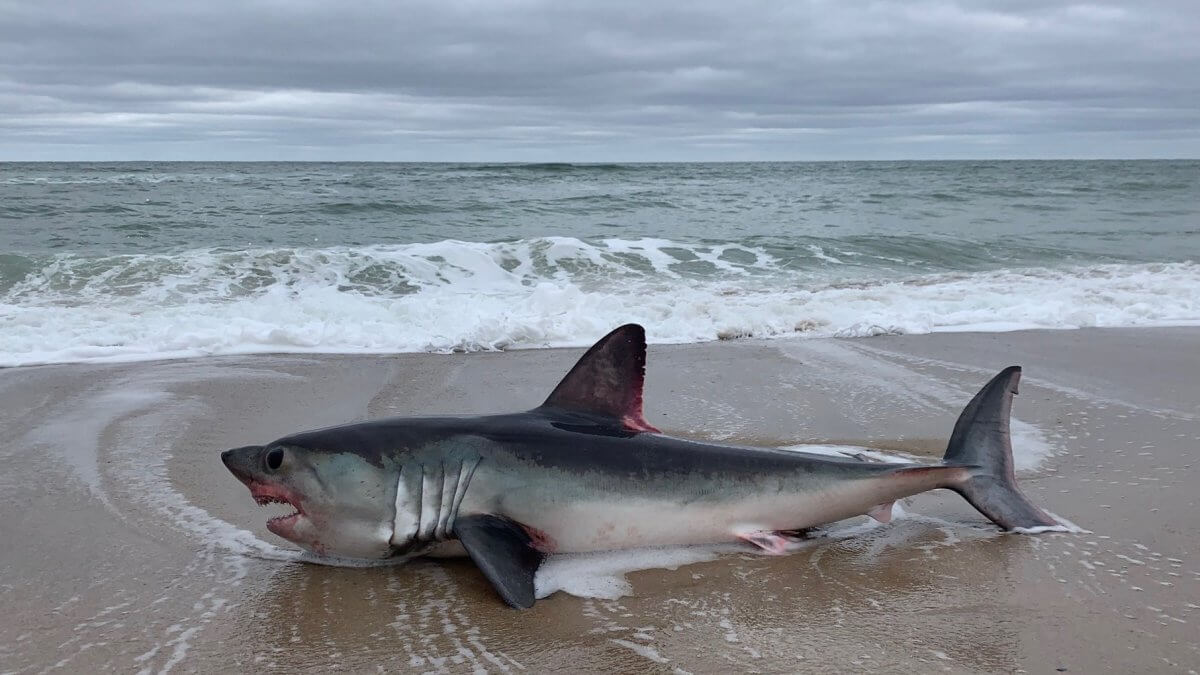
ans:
(125, 543)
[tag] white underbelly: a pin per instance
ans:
(600, 526)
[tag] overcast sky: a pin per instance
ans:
(608, 80)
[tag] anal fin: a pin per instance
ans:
(503, 551)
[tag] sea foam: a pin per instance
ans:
(548, 292)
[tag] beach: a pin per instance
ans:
(319, 269)
(128, 547)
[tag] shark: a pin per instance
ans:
(586, 472)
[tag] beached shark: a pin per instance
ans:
(585, 472)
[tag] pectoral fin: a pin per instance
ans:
(502, 550)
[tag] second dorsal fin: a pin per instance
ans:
(608, 379)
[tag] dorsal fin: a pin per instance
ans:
(608, 379)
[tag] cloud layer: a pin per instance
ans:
(541, 80)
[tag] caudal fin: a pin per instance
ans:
(981, 439)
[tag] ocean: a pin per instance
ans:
(131, 261)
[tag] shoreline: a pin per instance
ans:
(113, 476)
(583, 345)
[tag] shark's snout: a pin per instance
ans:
(240, 460)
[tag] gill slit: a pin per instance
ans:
(465, 483)
(420, 500)
(460, 491)
(396, 507)
(435, 502)
(429, 508)
(449, 488)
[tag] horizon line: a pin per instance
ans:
(593, 162)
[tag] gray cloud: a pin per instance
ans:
(619, 80)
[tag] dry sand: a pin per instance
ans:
(123, 543)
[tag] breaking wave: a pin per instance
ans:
(461, 296)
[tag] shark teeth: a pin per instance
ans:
(268, 494)
(271, 499)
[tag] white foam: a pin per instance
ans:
(644, 651)
(1041, 529)
(602, 575)
(74, 432)
(453, 295)
(1029, 445)
(1064, 525)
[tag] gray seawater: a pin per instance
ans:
(138, 260)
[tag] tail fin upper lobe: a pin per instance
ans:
(981, 439)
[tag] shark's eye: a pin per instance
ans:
(274, 458)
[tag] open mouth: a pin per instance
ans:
(265, 494)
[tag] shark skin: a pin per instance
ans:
(586, 472)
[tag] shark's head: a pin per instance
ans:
(342, 503)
